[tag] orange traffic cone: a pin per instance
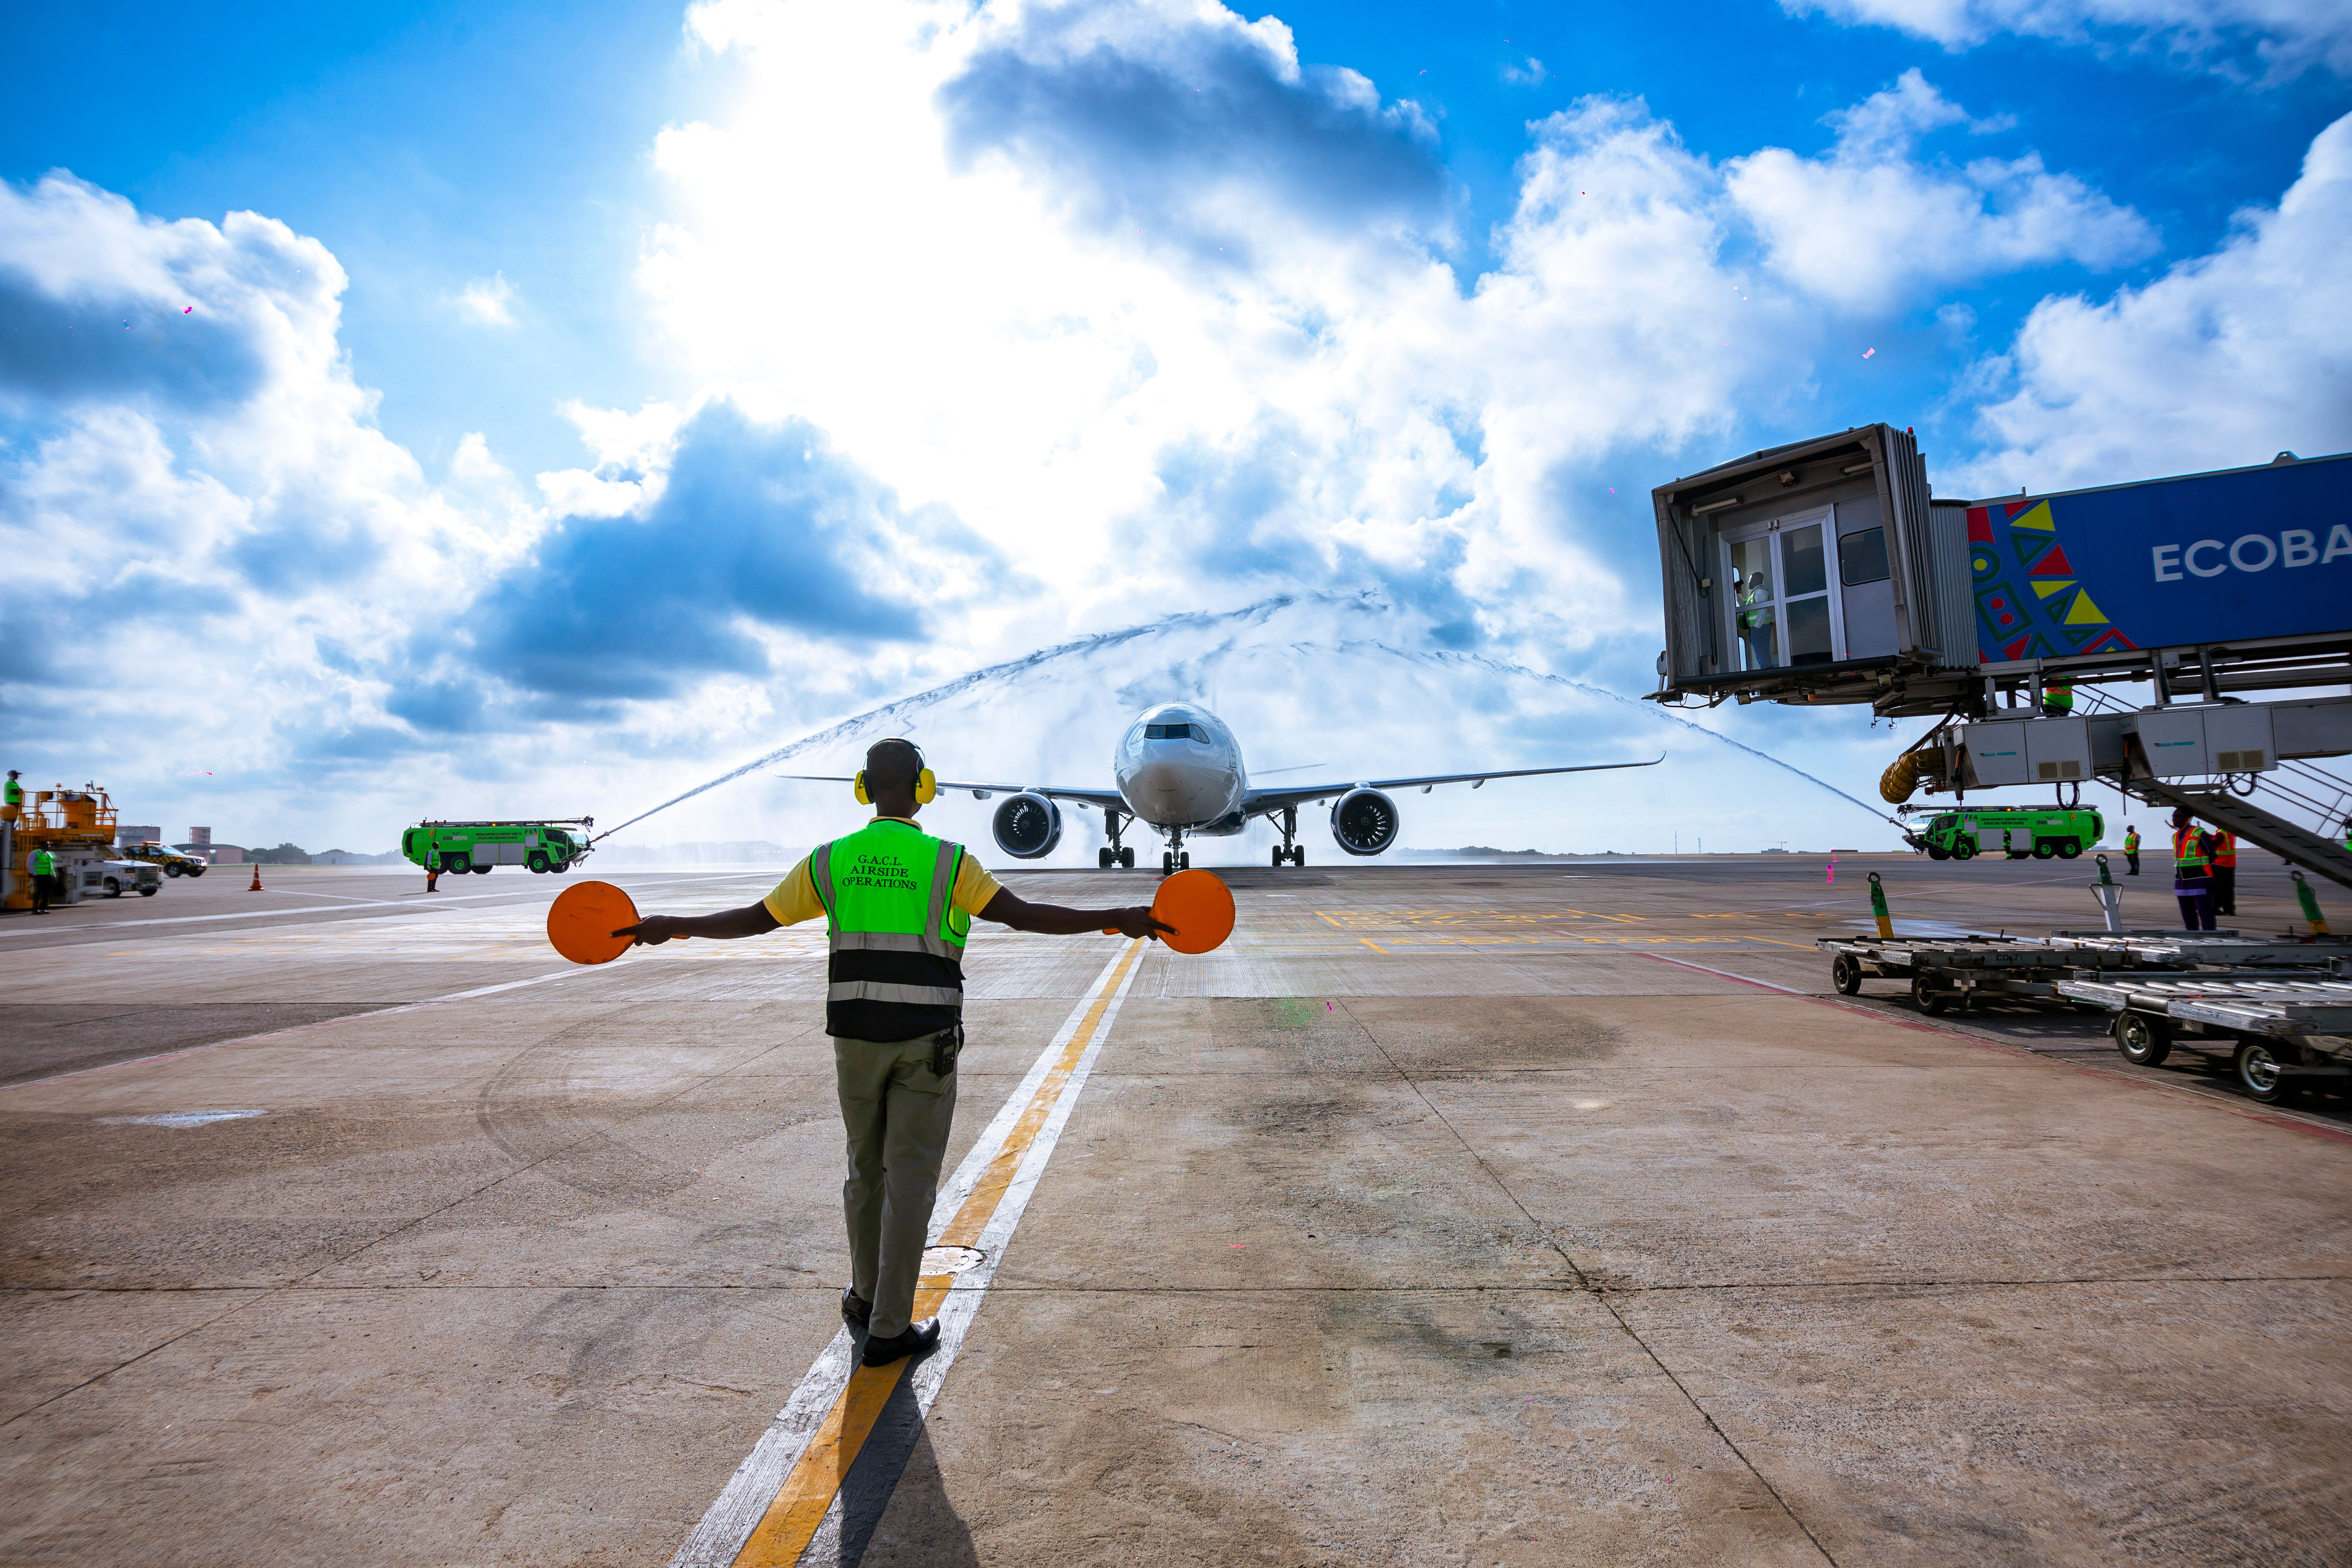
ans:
(257, 878)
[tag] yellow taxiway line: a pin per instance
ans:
(786, 1492)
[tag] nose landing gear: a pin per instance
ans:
(1177, 859)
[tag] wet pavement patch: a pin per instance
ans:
(179, 1117)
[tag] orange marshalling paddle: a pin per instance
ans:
(1199, 906)
(581, 921)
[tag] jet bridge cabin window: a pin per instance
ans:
(1810, 588)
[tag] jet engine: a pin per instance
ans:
(1364, 822)
(1028, 826)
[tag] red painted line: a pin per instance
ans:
(2106, 1075)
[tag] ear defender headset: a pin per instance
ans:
(927, 783)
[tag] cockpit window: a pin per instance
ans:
(1174, 732)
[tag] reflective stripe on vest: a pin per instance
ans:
(2188, 851)
(2225, 851)
(894, 938)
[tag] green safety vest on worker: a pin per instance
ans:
(16, 792)
(44, 863)
(2131, 843)
(2188, 852)
(2058, 697)
(894, 936)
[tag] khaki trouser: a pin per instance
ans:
(897, 1113)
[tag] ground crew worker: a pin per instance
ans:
(44, 867)
(2131, 849)
(1756, 624)
(2192, 881)
(2058, 697)
(12, 806)
(2225, 874)
(898, 905)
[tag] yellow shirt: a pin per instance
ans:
(794, 898)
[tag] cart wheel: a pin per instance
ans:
(1926, 998)
(2259, 1074)
(2144, 1041)
(1845, 974)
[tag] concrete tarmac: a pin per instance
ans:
(1487, 1213)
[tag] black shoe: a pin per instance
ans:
(918, 1338)
(854, 1310)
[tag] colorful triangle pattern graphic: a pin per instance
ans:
(2036, 607)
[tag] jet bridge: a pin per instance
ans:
(1827, 572)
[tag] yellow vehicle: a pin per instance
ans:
(172, 862)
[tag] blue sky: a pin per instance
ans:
(602, 393)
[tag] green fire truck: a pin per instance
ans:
(475, 847)
(2039, 831)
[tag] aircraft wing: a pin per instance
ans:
(1109, 797)
(1259, 801)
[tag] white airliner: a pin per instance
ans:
(1179, 770)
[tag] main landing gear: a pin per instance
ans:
(1119, 855)
(1286, 850)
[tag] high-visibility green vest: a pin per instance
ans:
(2131, 843)
(16, 792)
(895, 938)
(44, 863)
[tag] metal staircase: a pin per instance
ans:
(2217, 805)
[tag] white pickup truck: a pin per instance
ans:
(119, 877)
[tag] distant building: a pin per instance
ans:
(200, 835)
(227, 854)
(126, 836)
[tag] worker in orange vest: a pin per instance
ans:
(2192, 871)
(2225, 874)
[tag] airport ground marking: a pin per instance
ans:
(402, 903)
(787, 1493)
(294, 1029)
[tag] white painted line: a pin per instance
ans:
(294, 1029)
(1743, 979)
(438, 900)
(719, 1538)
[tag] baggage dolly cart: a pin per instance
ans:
(2280, 1031)
(1953, 972)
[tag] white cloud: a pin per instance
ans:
(1529, 73)
(2287, 36)
(2225, 359)
(1869, 225)
(938, 343)
(486, 302)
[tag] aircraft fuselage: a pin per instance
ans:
(1178, 766)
